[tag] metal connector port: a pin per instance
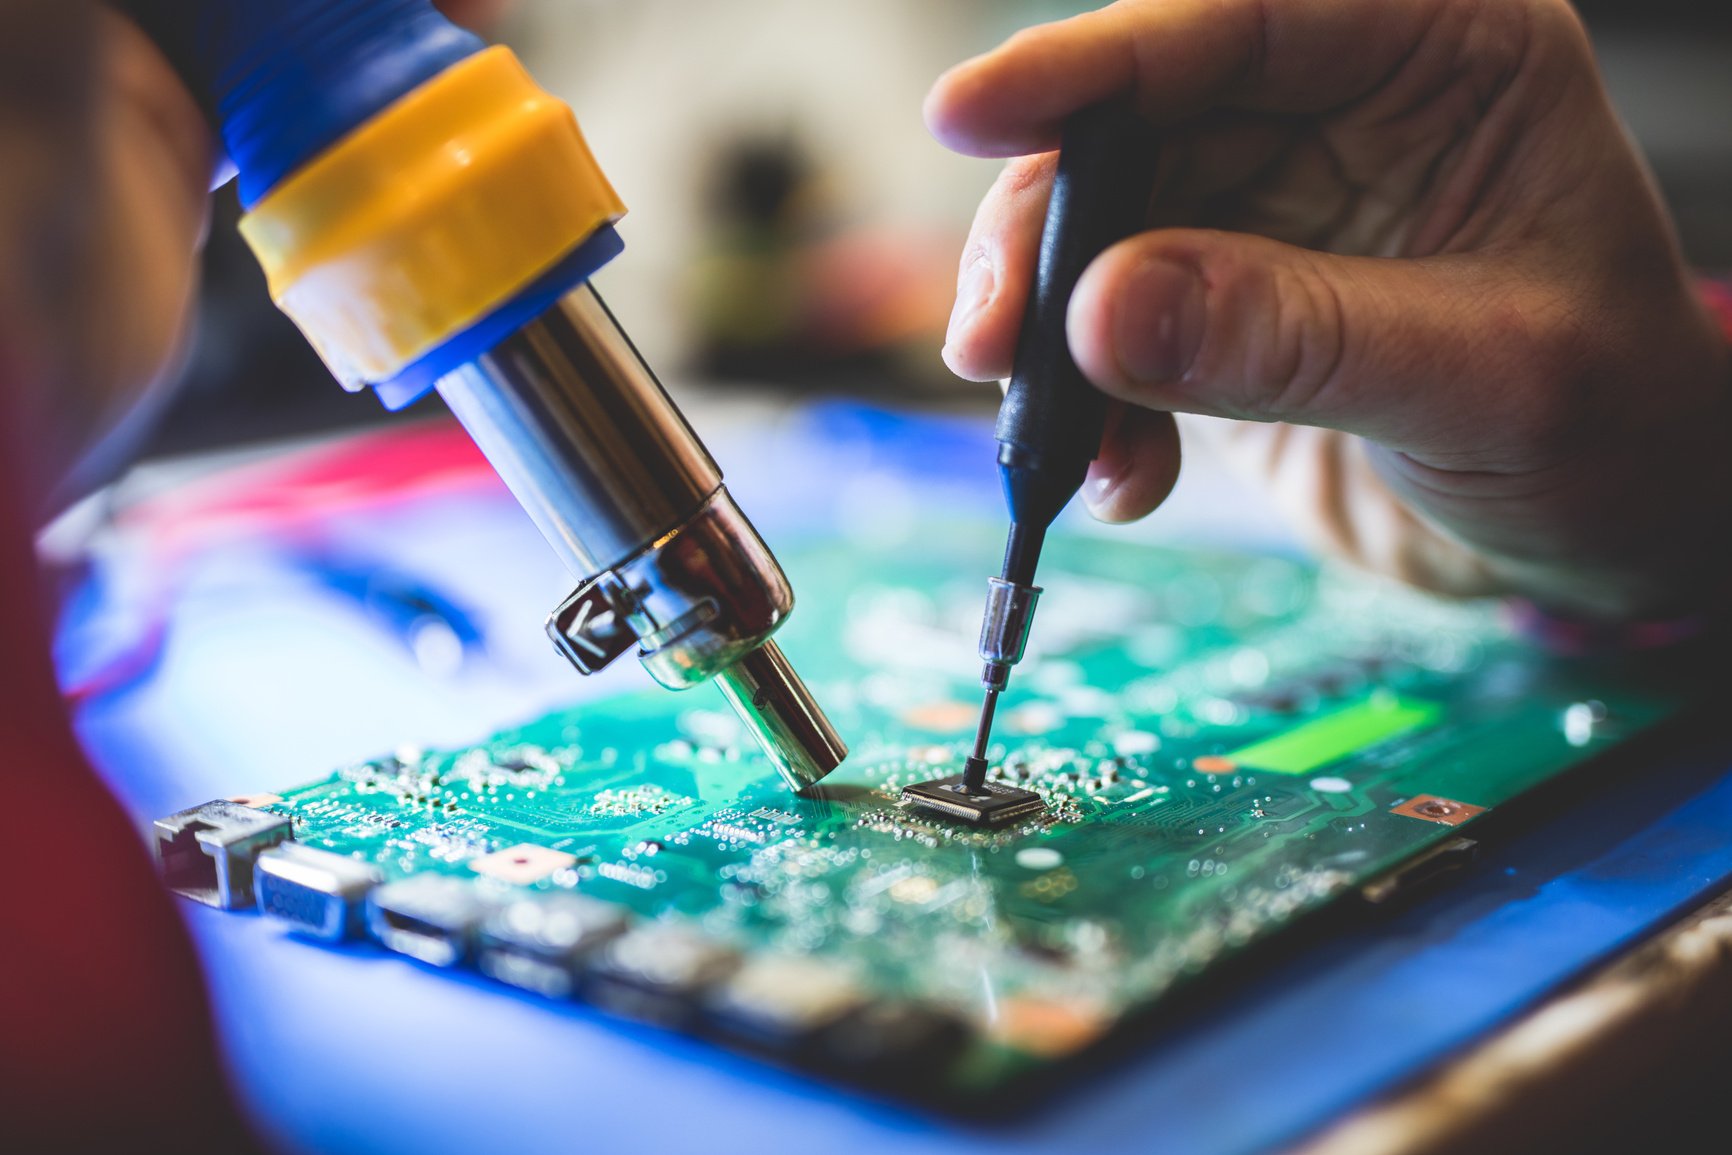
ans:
(1417, 875)
(539, 943)
(657, 973)
(316, 892)
(207, 853)
(430, 917)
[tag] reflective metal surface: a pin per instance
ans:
(696, 601)
(1004, 630)
(583, 434)
(772, 700)
(591, 446)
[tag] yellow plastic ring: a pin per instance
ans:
(427, 217)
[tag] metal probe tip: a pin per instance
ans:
(975, 767)
(969, 796)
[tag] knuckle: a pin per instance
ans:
(1557, 17)
(1006, 209)
(1550, 32)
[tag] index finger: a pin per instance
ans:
(1176, 58)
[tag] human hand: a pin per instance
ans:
(1406, 252)
(102, 207)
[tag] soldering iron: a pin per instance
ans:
(431, 219)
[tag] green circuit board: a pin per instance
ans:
(1223, 743)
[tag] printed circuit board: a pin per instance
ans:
(1224, 744)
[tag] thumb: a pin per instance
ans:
(1413, 353)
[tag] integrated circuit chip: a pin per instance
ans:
(993, 804)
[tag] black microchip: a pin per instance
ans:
(993, 804)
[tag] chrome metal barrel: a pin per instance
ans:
(583, 434)
(590, 444)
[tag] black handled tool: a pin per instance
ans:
(1049, 427)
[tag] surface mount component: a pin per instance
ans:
(207, 853)
(988, 804)
(317, 892)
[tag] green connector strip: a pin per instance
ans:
(1317, 743)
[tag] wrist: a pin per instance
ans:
(1708, 613)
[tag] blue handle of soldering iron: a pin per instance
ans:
(283, 80)
(1050, 424)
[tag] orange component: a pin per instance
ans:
(1214, 764)
(1048, 1028)
(941, 717)
(1431, 808)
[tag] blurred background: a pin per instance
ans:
(793, 226)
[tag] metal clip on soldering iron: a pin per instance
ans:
(1050, 425)
(431, 219)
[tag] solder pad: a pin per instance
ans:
(1224, 744)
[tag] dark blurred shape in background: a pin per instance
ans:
(782, 275)
(1669, 66)
(786, 292)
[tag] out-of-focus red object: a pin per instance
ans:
(105, 1039)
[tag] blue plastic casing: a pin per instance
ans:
(284, 80)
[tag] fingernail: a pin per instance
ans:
(1106, 471)
(973, 291)
(1158, 325)
(1097, 492)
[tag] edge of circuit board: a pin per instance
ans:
(235, 854)
(475, 897)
